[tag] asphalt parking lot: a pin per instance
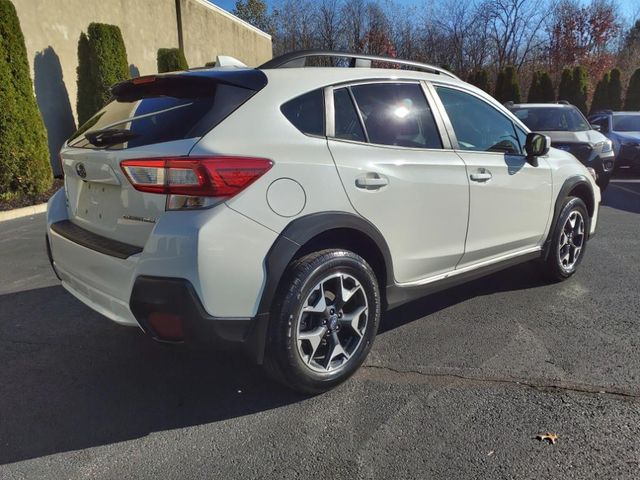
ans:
(457, 386)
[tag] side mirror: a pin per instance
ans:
(595, 127)
(537, 145)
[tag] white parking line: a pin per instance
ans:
(627, 189)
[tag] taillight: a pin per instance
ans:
(192, 179)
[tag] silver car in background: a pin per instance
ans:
(570, 131)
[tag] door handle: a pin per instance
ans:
(371, 181)
(481, 175)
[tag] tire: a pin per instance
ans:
(304, 332)
(567, 247)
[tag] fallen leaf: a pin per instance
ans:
(552, 438)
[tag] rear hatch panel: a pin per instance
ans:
(149, 117)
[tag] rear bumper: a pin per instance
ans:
(205, 267)
(169, 309)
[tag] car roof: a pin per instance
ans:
(288, 83)
(292, 82)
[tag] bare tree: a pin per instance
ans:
(514, 29)
(294, 25)
(329, 24)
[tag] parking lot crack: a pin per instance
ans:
(562, 386)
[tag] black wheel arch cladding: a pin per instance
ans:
(301, 231)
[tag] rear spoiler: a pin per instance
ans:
(188, 84)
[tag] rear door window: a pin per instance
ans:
(397, 114)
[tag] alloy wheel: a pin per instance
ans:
(332, 323)
(571, 241)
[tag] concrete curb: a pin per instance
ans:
(23, 212)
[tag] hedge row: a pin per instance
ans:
(25, 169)
(573, 88)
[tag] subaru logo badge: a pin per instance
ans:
(81, 171)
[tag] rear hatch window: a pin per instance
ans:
(164, 108)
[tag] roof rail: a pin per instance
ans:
(299, 58)
(563, 102)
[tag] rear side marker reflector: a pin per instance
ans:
(195, 176)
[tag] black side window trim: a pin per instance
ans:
(354, 102)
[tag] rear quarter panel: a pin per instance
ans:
(259, 129)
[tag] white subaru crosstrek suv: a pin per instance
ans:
(282, 209)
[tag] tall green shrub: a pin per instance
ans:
(565, 90)
(102, 62)
(25, 169)
(600, 99)
(171, 60)
(499, 86)
(87, 101)
(579, 86)
(615, 90)
(632, 99)
(534, 89)
(547, 92)
(480, 78)
(507, 86)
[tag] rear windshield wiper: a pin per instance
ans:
(110, 136)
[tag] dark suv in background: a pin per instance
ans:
(570, 131)
(623, 129)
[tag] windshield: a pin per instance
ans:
(552, 119)
(626, 123)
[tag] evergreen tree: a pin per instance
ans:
(171, 60)
(579, 88)
(632, 100)
(480, 78)
(507, 87)
(86, 104)
(499, 87)
(102, 62)
(534, 90)
(25, 169)
(600, 99)
(615, 90)
(547, 92)
(565, 91)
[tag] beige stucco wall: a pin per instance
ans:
(146, 25)
(205, 36)
(52, 27)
